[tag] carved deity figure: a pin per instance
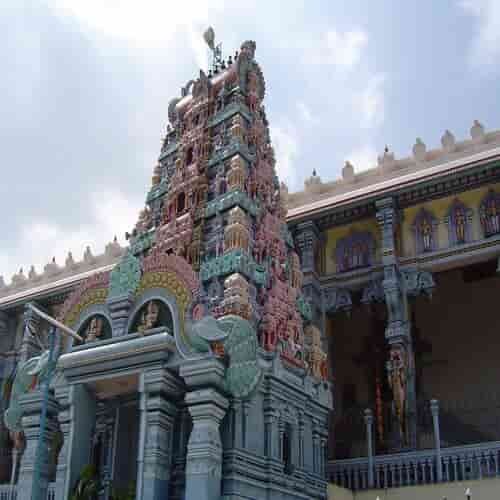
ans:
(426, 234)
(316, 357)
(460, 224)
(397, 368)
(94, 330)
(491, 217)
(150, 316)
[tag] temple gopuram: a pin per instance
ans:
(251, 343)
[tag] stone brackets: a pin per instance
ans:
(418, 282)
(336, 299)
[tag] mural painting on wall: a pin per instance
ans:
(354, 251)
(489, 212)
(425, 227)
(459, 223)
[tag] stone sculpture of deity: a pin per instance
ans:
(149, 317)
(426, 232)
(491, 220)
(94, 330)
(397, 379)
(460, 224)
(316, 357)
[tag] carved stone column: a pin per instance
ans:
(76, 422)
(31, 327)
(159, 389)
(119, 308)
(207, 406)
(31, 405)
(5, 369)
(308, 241)
(400, 365)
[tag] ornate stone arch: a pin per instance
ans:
(98, 311)
(159, 295)
(170, 277)
(91, 292)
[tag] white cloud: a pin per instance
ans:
(286, 148)
(344, 49)
(370, 102)
(363, 158)
(485, 49)
(112, 215)
(147, 23)
(306, 113)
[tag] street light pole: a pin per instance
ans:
(40, 487)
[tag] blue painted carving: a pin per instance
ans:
(373, 293)
(125, 276)
(354, 251)
(489, 213)
(425, 228)
(29, 374)
(418, 282)
(337, 299)
(459, 221)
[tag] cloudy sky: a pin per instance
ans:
(86, 83)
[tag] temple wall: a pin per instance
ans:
(439, 209)
(336, 233)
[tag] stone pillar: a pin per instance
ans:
(5, 452)
(237, 405)
(437, 438)
(31, 327)
(207, 406)
(400, 366)
(31, 405)
(271, 418)
(119, 308)
(76, 422)
(308, 241)
(369, 445)
(159, 389)
(301, 425)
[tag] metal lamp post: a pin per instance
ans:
(40, 487)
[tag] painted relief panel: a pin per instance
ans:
(351, 247)
(451, 221)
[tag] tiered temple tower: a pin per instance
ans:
(200, 375)
(216, 202)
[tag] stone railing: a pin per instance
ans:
(8, 492)
(458, 463)
(53, 272)
(51, 491)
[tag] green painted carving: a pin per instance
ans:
(234, 147)
(142, 243)
(244, 373)
(229, 111)
(125, 276)
(304, 308)
(236, 261)
(29, 375)
(228, 200)
(204, 331)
